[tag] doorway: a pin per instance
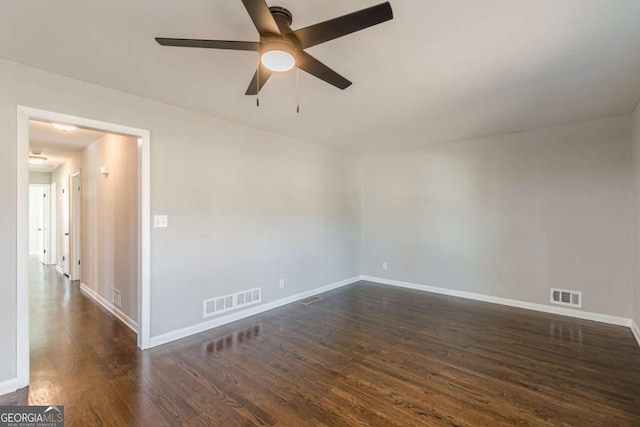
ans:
(74, 269)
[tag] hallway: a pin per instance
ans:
(78, 350)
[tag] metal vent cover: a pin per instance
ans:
(213, 306)
(566, 297)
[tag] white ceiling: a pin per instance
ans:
(57, 146)
(440, 71)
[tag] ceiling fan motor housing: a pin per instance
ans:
(280, 13)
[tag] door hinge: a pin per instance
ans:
(44, 251)
(78, 262)
(64, 258)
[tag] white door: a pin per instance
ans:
(76, 227)
(44, 218)
(64, 223)
(34, 220)
(52, 225)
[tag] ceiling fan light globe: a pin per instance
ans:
(278, 60)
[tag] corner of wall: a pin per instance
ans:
(360, 188)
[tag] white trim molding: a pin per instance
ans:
(223, 320)
(9, 386)
(603, 318)
(22, 249)
(24, 114)
(119, 314)
(635, 330)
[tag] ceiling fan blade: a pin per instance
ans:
(261, 17)
(343, 25)
(209, 44)
(265, 73)
(311, 65)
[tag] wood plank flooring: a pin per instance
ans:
(367, 354)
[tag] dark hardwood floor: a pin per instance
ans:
(365, 355)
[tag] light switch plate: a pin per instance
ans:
(160, 221)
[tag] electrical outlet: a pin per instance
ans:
(116, 297)
(384, 265)
(160, 221)
(281, 283)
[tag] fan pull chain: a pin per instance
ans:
(258, 81)
(298, 89)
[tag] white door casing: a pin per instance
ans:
(24, 114)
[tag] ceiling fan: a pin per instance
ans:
(280, 48)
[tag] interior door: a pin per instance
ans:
(53, 236)
(42, 230)
(44, 219)
(75, 227)
(64, 223)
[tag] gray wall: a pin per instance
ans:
(246, 207)
(509, 216)
(109, 217)
(36, 177)
(636, 145)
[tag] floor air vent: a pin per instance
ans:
(564, 297)
(224, 303)
(311, 300)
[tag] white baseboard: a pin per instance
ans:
(636, 331)
(604, 318)
(210, 324)
(59, 269)
(110, 307)
(9, 386)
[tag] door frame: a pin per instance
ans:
(24, 114)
